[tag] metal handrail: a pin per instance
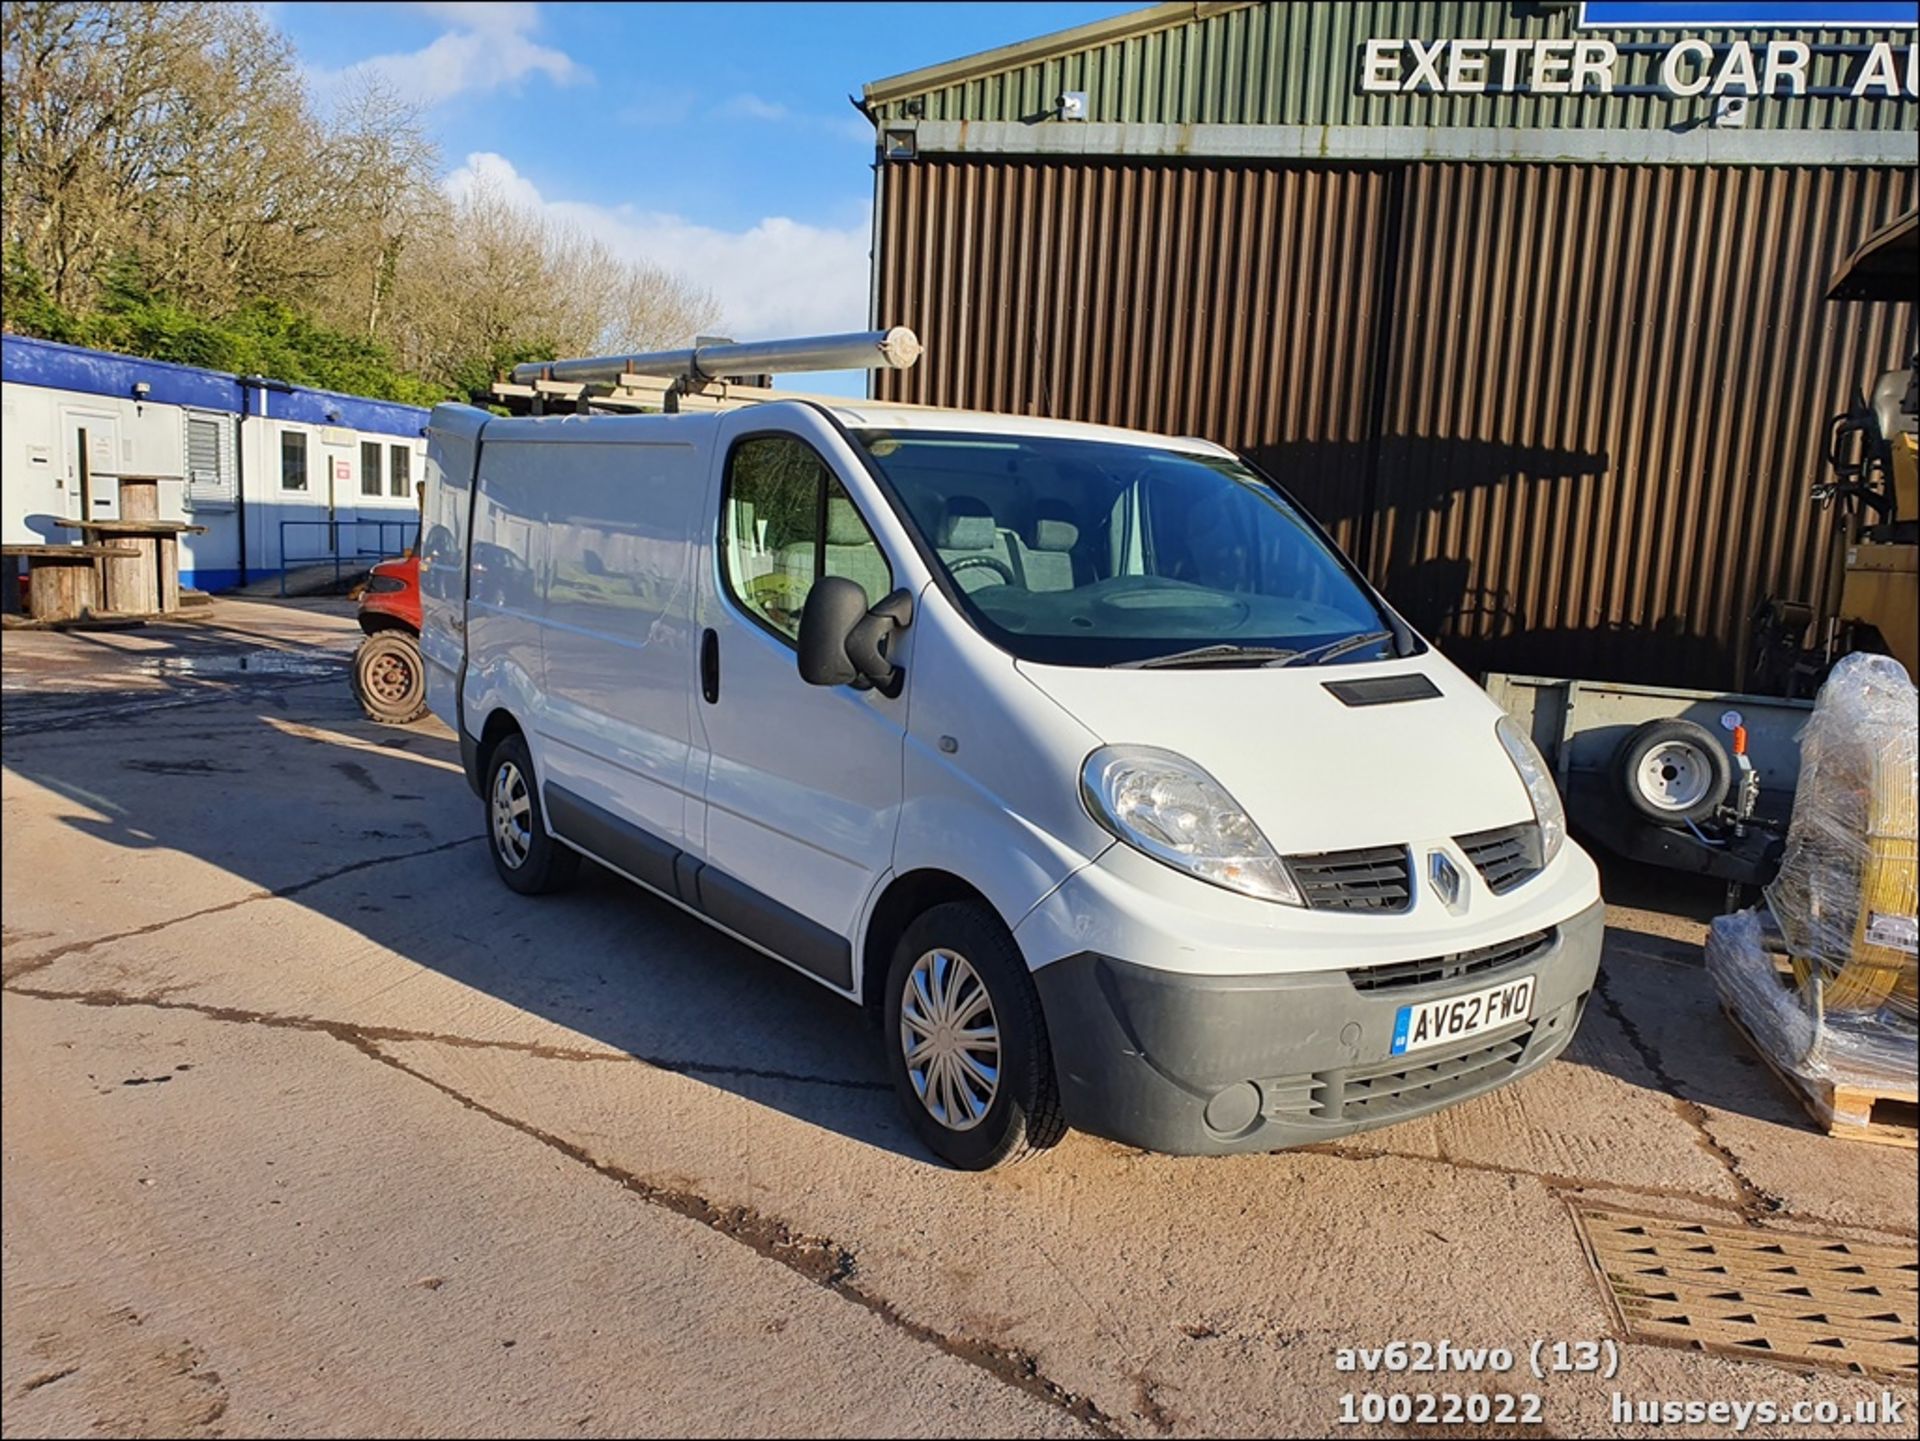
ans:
(358, 553)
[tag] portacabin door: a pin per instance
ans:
(90, 473)
(802, 783)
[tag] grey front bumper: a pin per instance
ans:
(1212, 1065)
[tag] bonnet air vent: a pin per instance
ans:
(1383, 690)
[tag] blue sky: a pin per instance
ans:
(713, 139)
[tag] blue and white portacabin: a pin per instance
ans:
(247, 453)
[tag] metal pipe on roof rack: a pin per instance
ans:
(894, 349)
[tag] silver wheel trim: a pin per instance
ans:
(511, 811)
(1674, 775)
(950, 1039)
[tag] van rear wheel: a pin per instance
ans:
(524, 852)
(966, 1041)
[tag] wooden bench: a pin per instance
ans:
(63, 580)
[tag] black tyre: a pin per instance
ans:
(966, 1042)
(1672, 771)
(525, 854)
(388, 679)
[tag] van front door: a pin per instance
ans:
(802, 784)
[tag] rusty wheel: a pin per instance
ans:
(388, 679)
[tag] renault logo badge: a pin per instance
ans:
(1444, 876)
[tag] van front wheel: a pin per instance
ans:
(966, 1042)
(525, 854)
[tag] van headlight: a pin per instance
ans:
(1548, 813)
(1165, 806)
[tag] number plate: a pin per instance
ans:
(1434, 1023)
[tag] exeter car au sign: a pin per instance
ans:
(1591, 67)
(1589, 64)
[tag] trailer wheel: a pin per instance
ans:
(388, 679)
(1672, 771)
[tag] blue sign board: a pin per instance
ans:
(1768, 14)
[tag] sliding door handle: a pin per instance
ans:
(710, 666)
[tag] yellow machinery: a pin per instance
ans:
(1875, 488)
(1846, 893)
(1877, 459)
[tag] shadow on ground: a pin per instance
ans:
(267, 771)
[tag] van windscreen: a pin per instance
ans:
(1068, 551)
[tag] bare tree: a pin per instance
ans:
(87, 90)
(181, 138)
(503, 281)
(380, 164)
(654, 309)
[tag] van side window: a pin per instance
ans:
(785, 519)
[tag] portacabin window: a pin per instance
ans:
(370, 467)
(399, 470)
(209, 448)
(293, 460)
(786, 519)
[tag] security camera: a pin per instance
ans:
(1732, 110)
(1072, 105)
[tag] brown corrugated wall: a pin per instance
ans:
(1568, 416)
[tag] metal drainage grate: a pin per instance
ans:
(1764, 1295)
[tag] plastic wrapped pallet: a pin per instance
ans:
(1791, 1023)
(1844, 898)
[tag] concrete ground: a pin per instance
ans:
(311, 1126)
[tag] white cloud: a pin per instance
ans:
(487, 47)
(651, 105)
(752, 107)
(779, 277)
(748, 106)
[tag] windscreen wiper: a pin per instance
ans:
(1333, 648)
(1213, 655)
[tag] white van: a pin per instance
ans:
(1080, 757)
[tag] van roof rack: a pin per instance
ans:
(716, 375)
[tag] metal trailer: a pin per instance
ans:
(1587, 730)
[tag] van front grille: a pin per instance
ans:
(1507, 857)
(1378, 1092)
(1515, 952)
(1396, 1086)
(1375, 878)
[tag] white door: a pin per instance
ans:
(342, 486)
(90, 473)
(802, 783)
(300, 520)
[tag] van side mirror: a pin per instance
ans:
(844, 642)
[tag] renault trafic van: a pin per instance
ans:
(1080, 757)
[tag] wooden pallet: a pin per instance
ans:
(1885, 1115)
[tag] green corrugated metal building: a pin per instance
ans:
(1539, 333)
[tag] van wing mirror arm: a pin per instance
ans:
(867, 642)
